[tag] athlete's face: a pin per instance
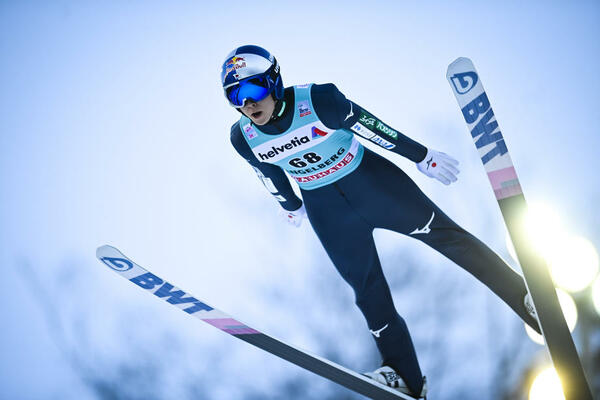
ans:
(259, 112)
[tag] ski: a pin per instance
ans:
(131, 271)
(489, 141)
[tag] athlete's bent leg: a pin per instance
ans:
(474, 256)
(395, 202)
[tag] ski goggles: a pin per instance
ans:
(253, 88)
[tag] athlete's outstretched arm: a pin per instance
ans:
(336, 112)
(271, 175)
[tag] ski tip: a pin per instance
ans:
(106, 251)
(461, 63)
(460, 59)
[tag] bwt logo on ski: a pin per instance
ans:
(149, 281)
(118, 264)
(486, 131)
(464, 81)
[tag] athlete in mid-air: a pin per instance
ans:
(309, 131)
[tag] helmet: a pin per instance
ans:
(250, 72)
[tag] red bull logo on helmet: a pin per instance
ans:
(234, 63)
(235, 60)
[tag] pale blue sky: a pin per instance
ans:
(114, 129)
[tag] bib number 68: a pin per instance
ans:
(309, 157)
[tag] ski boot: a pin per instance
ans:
(387, 376)
(528, 301)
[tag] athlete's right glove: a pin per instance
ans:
(294, 217)
(439, 166)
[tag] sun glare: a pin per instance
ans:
(574, 264)
(546, 386)
(544, 227)
(572, 260)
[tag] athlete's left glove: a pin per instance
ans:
(439, 166)
(294, 217)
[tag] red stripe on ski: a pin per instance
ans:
(505, 182)
(231, 326)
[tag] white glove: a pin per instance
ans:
(294, 217)
(439, 166)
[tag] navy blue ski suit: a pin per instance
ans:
(378, 194)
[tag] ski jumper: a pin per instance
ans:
(348, 191)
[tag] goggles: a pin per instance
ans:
(254, 88)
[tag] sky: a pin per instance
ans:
(114, 130)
